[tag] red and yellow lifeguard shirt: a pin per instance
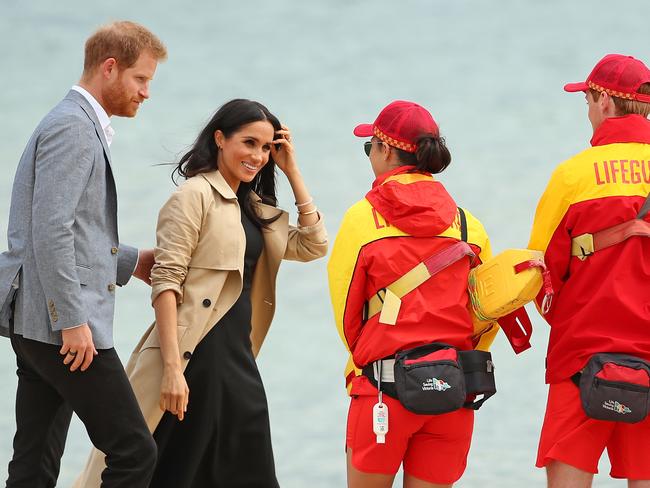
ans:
(404, 219)
(601, 304)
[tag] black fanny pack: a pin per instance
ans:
(615, 387)
(437, 378)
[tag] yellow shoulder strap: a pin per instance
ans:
(387, 301)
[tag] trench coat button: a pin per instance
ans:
(207, 302)
(187, 355)
(111, 287)
(113, 250)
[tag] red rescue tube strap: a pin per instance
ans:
(517, 328)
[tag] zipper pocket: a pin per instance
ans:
(414, 365)
(619, 384)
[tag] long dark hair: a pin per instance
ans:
(431, 154)
(202, 157)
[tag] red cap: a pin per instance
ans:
(617, 75)
(400, 124)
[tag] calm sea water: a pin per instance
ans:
(491, 73)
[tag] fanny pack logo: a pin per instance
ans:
(614, 406)
(435, 384)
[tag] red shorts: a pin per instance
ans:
(569, 436)
(433, 448)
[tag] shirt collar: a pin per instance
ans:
(102, 116)
(628, 128)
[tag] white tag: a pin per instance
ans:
(380, 421)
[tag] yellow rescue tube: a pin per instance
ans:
(498, 288)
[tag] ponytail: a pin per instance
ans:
(431, 154)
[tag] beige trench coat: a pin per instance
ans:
(200, 256)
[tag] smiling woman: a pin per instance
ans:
(244, 154)
(220, 240)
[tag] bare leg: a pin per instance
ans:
(413, 482)
(561, 475)
(638, 483)
(359, 479)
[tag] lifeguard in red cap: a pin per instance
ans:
(398, 277)
(591, 223)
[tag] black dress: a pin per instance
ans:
(224, 440)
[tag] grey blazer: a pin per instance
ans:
(64, 258)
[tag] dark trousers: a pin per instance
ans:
(101, 396)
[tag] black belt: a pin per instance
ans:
(475, 365)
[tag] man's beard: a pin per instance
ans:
(118, 101)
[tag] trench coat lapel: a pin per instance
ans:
(217, 181)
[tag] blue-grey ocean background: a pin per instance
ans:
(492, 74)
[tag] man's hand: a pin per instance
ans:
(78, 347)
(145, 263)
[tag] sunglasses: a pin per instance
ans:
(367, 146)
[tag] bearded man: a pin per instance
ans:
(58, 278)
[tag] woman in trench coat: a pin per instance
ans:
(220, 240)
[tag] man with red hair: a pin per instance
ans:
(601, 291)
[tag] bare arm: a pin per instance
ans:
(307, 213)
(174, 392)
(145, 262)
(286, 161)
